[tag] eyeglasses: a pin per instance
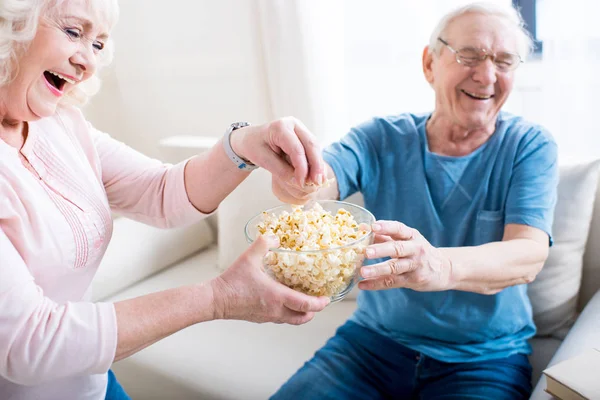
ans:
(471, 57)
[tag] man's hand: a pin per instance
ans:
(414, 262)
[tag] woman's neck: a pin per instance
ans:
(12, 131)
(449, 139)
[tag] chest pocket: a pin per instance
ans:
(490, 226)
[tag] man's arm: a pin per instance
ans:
(485, 269)
(491, 267)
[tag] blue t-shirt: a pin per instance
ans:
(451, 201)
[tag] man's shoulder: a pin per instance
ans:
(522, 129)
(402, 125)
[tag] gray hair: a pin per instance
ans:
(18, 25)
(505, 12)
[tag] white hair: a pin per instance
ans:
(504, 12)
(18, 25)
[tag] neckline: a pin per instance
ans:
(423, 132)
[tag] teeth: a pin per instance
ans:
(478, 96)
(71, 81)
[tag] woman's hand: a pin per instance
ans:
(289, 151)
(414, 262)
(246, 292)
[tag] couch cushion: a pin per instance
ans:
(543, 351)
(582, 337)
(590, 281)
(220, 359)
(554, 293)
(137, 251)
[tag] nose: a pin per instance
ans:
(485, 72)
(85, 59)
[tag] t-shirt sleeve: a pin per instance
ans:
(533, 189)
(354, 159)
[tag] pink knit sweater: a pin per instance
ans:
(55, 225)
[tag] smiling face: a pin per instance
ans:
(471, 97)
(63, 53)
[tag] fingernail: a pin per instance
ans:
(321, 179)
(273, 238)
(376, 227)
(294, 182)
(367, 272)
(370, 252)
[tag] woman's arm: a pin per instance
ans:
(163, 195)
(243, 292)
(283, 147)
(37, 334)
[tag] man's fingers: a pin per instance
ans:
(392, 248)
(382, 283)
(393, 266)
(396, 230)
(382, 239)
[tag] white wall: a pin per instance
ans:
(181, 67)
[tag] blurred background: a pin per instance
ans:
(183, 71)
(190, 68)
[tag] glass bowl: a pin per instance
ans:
(330, 271)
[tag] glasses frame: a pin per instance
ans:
(483, 55)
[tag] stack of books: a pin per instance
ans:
(577, 378)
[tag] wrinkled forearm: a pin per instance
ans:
(489, 268)
(144, 320)
(210, 177)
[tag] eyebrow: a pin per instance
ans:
(87, 24)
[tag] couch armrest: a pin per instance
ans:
(582, 336)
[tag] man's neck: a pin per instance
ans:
(450, 139)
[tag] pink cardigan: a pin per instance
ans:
(55, 225)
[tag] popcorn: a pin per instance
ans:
(325, 267)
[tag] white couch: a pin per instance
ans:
(239, 360)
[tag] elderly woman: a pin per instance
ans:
(59, 180)
(464, 198)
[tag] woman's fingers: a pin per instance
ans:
(282, 135)
(300, 302)
(316, 172)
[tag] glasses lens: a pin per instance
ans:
(469, 56)
(507, 61)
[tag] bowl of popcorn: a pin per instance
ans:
(321, 245)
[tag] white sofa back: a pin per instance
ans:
(590, 280)
(137, 251)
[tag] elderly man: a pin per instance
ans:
(464, 198)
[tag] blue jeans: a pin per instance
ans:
(115, 391)
(358, 363)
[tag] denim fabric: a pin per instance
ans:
(358, 363)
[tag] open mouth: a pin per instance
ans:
(476, 96)
(57, 80)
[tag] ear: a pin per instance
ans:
(428, 64)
